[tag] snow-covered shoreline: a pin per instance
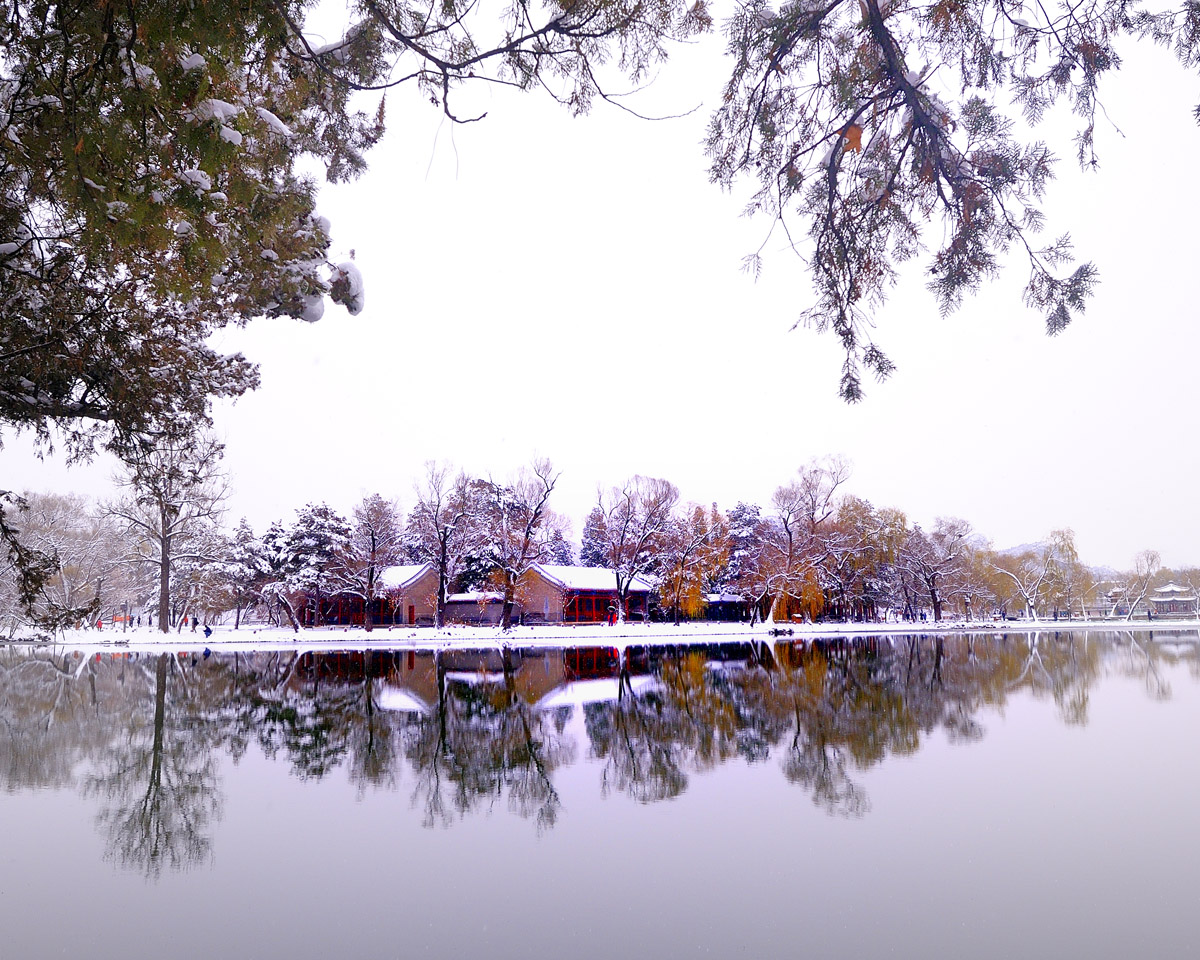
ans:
(557, 635)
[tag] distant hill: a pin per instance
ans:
(1100, 573)
(1020, 549)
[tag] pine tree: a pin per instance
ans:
(593, 548)
(559, 550)
(319, 542)
(244, 568)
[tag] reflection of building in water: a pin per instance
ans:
(641, 659)
(412, 684)
(1172, 600)
(411, 677)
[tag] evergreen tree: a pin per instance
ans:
(593, 548)
(175, 494)
(559, 550)
(245, 567)
(150, 184)
(319, 543)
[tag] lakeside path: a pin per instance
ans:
(558, 635)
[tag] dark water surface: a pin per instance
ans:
(966, 796)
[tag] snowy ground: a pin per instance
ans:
(622, 635)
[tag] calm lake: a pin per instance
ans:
(964, 796)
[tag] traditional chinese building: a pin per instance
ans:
(1172, 600)
(554, 593)
(407, 595)
(477, 606)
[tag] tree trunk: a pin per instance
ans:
(160, 711)
(287, 607)
(164, 585)
(368, 614)
(507, 608)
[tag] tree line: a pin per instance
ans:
(160, 553)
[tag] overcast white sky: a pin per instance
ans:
(538, 284)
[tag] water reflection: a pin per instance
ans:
(461, 731)
(157, 782)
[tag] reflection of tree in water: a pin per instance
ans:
(1058, 664)
(158, 784)
(829, 709)
(638, 739)
(689, 721)
(824, 712)
(485, 743)
(48, 719)
(1144, 662)
(480, 742)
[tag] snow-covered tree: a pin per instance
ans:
(319, 546)
(444, 527)
(794, 548)
(888, 130)
(689, 554)
(279, 565)
(593, 545)
(849, 562)
(559, 550)
(155, 202)
(1072, 581)
(1048, 575)
(151, 190)
(199, 589)
(637, 518)
(243, 569)
(516, 526)
(376, 542)
(1137, 582)
(933, 560)
(174, 490)
(745, 569)
(80, 561)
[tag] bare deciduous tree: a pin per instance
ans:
(636, 518)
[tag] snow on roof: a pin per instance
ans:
(1172, 587)
(392, 578)
(725, 598)
(587, 578)
(475, 596)
(582, 692)
(404, 701)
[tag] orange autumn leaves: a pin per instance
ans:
(852, 134)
